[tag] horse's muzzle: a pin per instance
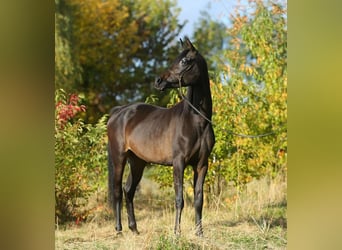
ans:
(159, 84)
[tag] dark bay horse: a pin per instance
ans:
(179, 136)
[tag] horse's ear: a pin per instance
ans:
(189, 44)
(181, 41)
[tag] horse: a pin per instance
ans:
(178, 136)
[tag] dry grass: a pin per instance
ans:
(252, 219)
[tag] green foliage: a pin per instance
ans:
(80, 160)
(105, 49)
(67, 68)
(152, 99)
(250, 96)
(210, 38)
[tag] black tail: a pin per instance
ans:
(110, 179)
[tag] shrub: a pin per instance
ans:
(80, 158)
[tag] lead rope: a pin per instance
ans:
(210, 121)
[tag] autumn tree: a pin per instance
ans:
(119, 45)
(250, 95)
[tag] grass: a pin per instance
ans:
(254, 218)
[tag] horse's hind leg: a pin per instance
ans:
(119, 162)
(137, 168)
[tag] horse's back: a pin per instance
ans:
(135, 111)
(114, 110)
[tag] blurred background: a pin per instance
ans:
(109, 53)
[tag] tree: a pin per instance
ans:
(254, 92)
(67, 67)
(211, 39)
(120, 44)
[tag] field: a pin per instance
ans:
(253, 218)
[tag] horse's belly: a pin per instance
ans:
(152, 150)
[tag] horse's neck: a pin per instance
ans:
(199, 95)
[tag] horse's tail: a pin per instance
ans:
(111, 166)
(110, 178)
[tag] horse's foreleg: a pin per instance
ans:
(199, 176)
(137, 168)
(178, 172)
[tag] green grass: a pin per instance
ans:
(252, 219)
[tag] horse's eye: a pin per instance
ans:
(185, 60)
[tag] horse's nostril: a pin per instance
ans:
(159, 80)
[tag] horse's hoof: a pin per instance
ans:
(133, 228)
(177, 233)
(119, 233)
(135, 231)
(200, 234)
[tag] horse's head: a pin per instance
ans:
(186, 68)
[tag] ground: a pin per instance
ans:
(255, 219)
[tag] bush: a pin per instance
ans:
(250, 96)
(80, 158)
